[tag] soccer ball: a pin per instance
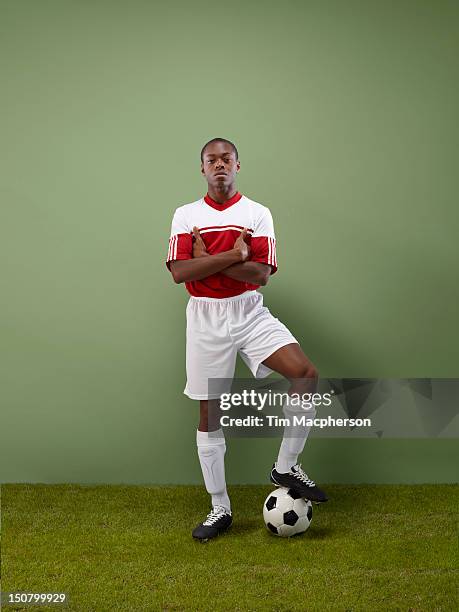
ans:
(286, 513)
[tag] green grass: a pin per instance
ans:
(129, 548)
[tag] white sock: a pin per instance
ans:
(289, 450)
(294, 438)
(211, 452)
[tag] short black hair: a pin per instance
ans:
(219, 140)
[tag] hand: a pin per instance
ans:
(241, 245)
(199, 248)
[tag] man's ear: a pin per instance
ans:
(238, 166)
(202, 168)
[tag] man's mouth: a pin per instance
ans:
(220, 174)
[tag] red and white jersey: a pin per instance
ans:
(219, 226)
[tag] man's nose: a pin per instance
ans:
(220, 163)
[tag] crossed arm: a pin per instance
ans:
(232, 263)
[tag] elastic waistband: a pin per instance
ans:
(234, 298)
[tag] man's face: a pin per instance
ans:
(219, 165)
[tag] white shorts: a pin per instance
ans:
(218, 329)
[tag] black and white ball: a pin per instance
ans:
(285, 513)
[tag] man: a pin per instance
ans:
(223, 248)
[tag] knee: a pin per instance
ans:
(305, 378)
(311, 372)
(305, 370)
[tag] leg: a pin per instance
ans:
(210, 357)
(265, 344)
(291, 362)
(211, 452)
(208, 415)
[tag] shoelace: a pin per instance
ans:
(214, 515)
(301, 475)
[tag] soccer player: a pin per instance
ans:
(223, 248)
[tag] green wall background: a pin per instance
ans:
(345, 116)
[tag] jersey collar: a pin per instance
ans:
(236, 197)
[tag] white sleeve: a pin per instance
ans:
(180, 241)
(263, 241)
(179, 225)
(264, 226)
